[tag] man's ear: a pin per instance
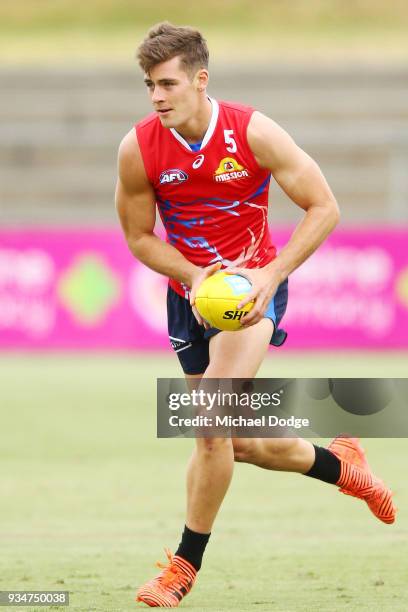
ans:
(201, 79)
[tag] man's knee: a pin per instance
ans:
(212, 446)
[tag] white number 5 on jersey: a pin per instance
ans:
(230, 141)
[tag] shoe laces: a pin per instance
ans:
(171, 572)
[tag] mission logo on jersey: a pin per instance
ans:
(229, 170)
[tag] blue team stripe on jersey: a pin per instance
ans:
(217, 203)
(261, 188)
(226, 208)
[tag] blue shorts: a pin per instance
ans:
(190, 340)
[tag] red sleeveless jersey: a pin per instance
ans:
(213, 201)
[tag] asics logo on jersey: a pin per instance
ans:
(229, 170)
(174, 176)
(198, 161)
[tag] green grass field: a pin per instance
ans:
(89, 497)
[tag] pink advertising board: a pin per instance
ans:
(80, 288)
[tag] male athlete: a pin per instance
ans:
(207, 164)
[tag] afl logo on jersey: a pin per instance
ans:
(173, 176)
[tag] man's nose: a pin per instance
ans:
(157, 95)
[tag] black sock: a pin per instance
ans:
(327, 466)
(192, 546)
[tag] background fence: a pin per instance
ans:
(60, 130)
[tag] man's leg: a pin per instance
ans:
(209, 474)
(211, 465)
(209, 471)
(343, 463)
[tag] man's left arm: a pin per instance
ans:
(302, 180)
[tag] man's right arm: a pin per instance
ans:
(136, 206)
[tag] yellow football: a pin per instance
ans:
(217, 299)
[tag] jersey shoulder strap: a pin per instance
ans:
(148, 138)
(241, 109)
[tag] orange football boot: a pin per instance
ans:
(357, 479)
(170, 586)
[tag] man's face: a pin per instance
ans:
(175, 97)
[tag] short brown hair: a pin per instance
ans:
(165, 41)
